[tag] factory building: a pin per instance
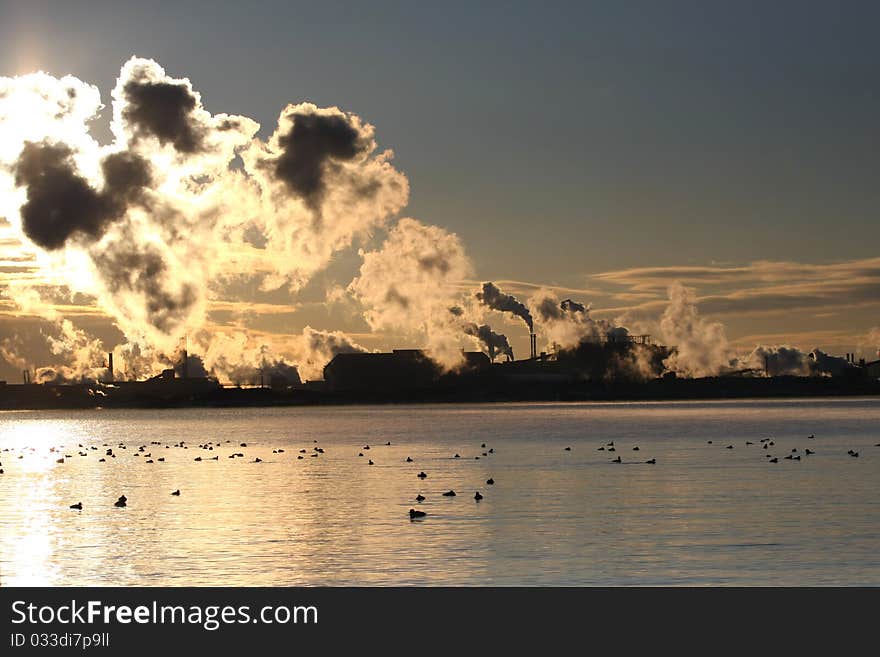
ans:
(401, 369)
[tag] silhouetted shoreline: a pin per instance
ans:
(85, 396)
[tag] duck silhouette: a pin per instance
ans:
(449, 493)
(477, 496)
(808, 451)
(177, 492)
(78, 506)
(370, 462)
(121, 502)
(490, 482)
(416, 514)
(651, 461)
(568, 449)
(617, 460)
(774, 460)
(421, 475)
(409, 459)
(420, 498)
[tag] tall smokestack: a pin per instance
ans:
(533, 345)
(110, 364)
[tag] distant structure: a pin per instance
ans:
(401, 369)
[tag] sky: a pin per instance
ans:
(600, 150)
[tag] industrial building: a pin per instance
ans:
(401, 369)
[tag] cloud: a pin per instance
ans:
(701, 347)
(61, 203)
(315, 143)
(565, 324)
(410, 283)
(160, 108)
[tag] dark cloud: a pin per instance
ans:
(498, 300)
(164, 110)
(393, 296)
(495, 342)
(314, 142)
(61, 203)
(435, 262)
(572, 306)
(141, 269)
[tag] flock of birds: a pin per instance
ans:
(414, 514)
(148, 458)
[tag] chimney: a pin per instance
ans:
(110, 364)
(533, 345)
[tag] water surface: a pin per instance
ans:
(704, 514)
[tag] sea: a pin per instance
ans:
(713, 508)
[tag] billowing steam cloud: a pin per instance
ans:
(872, 343)
(321, 188)
(495, 343)
(565, 324)
(495, 299)
(62, 203)
(701, 347)
(313, 148)
(410, 284)
(153, 224)
(162, 109)
(782, 360)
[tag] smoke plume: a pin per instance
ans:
(565, 324)
(495, 343)
(495, 299)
